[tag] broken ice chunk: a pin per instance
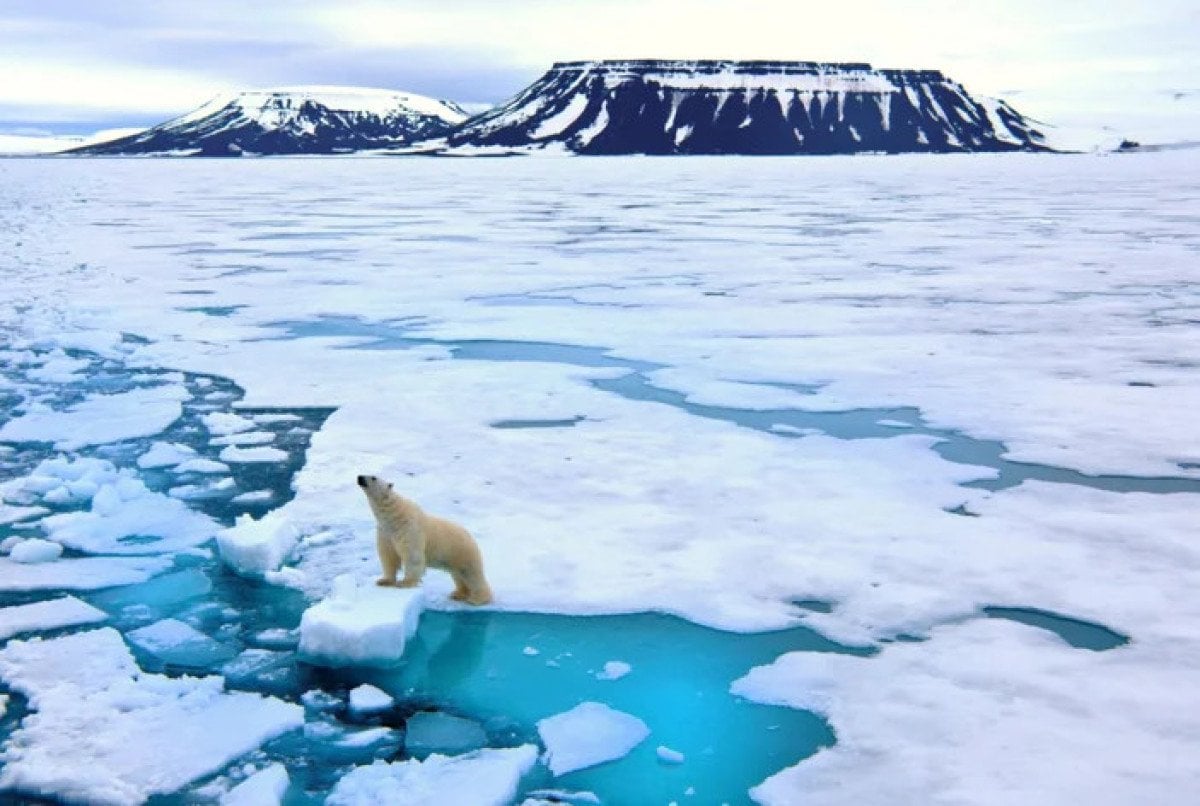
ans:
(247, 455)
(360, 625)
(591, 733)
(367, 699)
(264, 788)
(50, 615)
(35, 550)
(172, 641)
(164, 454)
(488, 777)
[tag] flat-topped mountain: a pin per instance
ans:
(745, 107)
(294, 120)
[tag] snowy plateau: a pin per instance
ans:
(831, 481)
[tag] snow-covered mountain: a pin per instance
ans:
(745, 107)
(294, 120)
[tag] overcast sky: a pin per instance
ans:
(78, 65)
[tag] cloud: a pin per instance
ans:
(75, 58)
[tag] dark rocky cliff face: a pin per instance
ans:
(717, 107)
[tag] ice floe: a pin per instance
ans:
(488, 777)
(79, 574)
(591, 733)
(96, 714)
(51, 614)
(254, 546)
(367, 699)
(100, 419)
(365, 625)
(264, 788)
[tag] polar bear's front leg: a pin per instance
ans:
(414, 563)
(389, 558)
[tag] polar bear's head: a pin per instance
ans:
(374, 487)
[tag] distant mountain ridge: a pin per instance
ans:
(293, 120)
(746, 107)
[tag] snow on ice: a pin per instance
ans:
(487, 777)
(103, 731)
(365, 625)
(591, 733)
(48, 615)
(1042, 318)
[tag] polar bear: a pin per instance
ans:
(406, 535)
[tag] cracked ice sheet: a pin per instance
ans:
(1026, 322)
(988, 712)
(100, 419)
(105, 732)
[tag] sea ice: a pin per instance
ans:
(365, 625)
(100, 419)
(438, 732)
(367, 699)
(87, 573)
(165, 454)
(488, 777)
(220, 423)
(264, 788)
(103, 731)
(200, 466)
(245, 438)
(668, 756)
(591, 733)
(235, 454)
(253, 497)
(126, 509)
(253, 546)
(35, 550)
(48, 615)
(614, 670)
(173, 641)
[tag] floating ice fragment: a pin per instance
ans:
(126, 509)
(100, 419)
(367, 699)
(614, 670)
(317, 700)
(90, 573)
(35, 550)
(264, 788)
(488, 777)
(49, 615)
(254, 497)
(164, 454)
(668, 756)
(13, 514)
(106, 732)
(245, 438)
(246, 455)
(360, 625)
(222, 423)
(254, 546)
(530, 651)
(591, 733)
(366, 738)
(437, 732)
(172, 641)
(200, 466)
